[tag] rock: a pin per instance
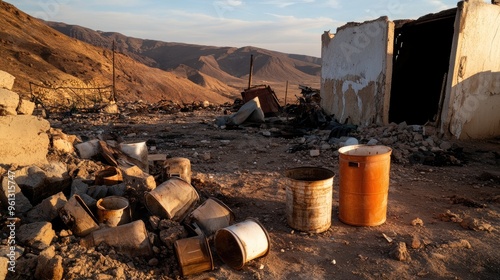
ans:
(474, 224)
(266, 133)
(417, 222)
(10, 190)
(6, 81)
(205, 104)
(206, 156)
(111, 108)
(48, 209)
(4, 265)
(372, 142)
(25, 107)
(462, 243)
(402, 126)
(415, 242)
(314, 153)
(49, 265)
(57, 177)
(32, 180)
(154, 221)
(135, 177)
(24, 140)
(173, 233)
(326, 147)
(445, 145)
(400, 253)
(118, 190)
(5, 251)
(8, 102)
(62, 145)
(97, 192)
(78, 186)
(38, 235)
(153, 262)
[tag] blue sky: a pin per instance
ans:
(282, 25)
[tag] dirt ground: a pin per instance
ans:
(448, 216)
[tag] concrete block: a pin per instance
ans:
(62, 145)
(57, 177)
(10, 190)
(8, 102)
(37, 235)
(25, 107)
(24, 140)
(48, 209)
(6, 80)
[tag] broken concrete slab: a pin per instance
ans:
(6, 80)
(24, 140)
(49, 265)
(4, 263)
(11, 190)
(8, 102)
(48, 209)
(38, 235)
(30, 179)
(62, 142)
(57, 177)
(25, 107)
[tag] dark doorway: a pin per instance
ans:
(421, 60)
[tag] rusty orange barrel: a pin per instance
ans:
(364, 184)
(309, 193)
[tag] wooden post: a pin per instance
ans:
(286, 92)
(114, 75)
(251, 72)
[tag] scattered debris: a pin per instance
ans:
(387, 238)
(400, 253)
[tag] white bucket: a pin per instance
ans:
(138, 151)
(242, 242)
(211, 216)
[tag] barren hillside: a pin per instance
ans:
(34, 52)
(227, 64)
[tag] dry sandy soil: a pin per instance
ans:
(456, 237)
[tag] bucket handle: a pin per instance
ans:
(354, 164)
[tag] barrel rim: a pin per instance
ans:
(343, 151)
(330, 172)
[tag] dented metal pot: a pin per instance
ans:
(78, 217)
(173, 199)
(131, 239)
(113, 211)
(211, 216)
(109, 176)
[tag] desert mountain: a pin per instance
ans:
(227, 64)
(34, 52)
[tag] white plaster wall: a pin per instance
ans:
(356, 68)
(472, 104)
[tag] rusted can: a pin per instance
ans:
(109, 176)
(131, 239)
(78, 217)
(113, 211)
(178, 167)
(211, 216)
(309, 195)
(173, 199)
(242, 242)
(364, 184)
(193, 255)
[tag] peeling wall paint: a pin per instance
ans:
(472, 104)
(356, 71)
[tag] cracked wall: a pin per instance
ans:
(356, 72)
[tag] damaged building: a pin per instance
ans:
(441, 70)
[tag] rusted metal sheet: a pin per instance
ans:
(268, 100)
